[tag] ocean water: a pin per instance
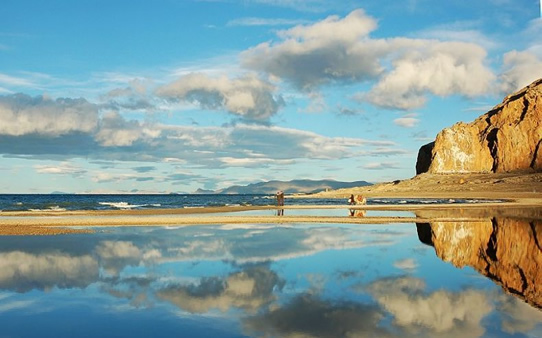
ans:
(60, 202)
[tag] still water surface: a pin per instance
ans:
(331, 280)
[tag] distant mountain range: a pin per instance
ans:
(289, 187)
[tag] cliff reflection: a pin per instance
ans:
(506, 250)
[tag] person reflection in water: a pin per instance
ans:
(280, 202)
(357, 213)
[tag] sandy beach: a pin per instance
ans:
(518, 203)
(520, 192)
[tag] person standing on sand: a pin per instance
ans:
(351, 200)
(280, 202)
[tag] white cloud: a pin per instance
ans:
(116, 131)
(519, 70)
(317, 103)
(319, 53)
(388, 151)
(133, 97)
(407, 121)
(381, 165)
(63, 168)
(431, 67)
(21, 114)
(253, 162)
(247, 97)
(465, 31)
(13, 81)
(66, 128)
(341, 50)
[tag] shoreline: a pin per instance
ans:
(65, 222)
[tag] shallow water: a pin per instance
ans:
(329, 280)
(320, 212)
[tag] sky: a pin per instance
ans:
(171, 96)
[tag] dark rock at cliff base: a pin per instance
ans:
(507, 138)
(424, 158)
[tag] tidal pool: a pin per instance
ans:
(470, 279)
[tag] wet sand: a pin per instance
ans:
(64, 222)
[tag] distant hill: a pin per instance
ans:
(289, 187)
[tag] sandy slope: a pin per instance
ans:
(488, 186)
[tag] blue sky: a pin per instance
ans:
(172, 96)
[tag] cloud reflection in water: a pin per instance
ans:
(292, 281)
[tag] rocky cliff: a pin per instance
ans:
(506, 250)
(507, 138)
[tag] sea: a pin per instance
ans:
(71, 202)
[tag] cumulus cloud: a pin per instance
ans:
(66, 128)
(407, 121)
(326, 51)
(249, 290)
(442, 313)
(21, 271)
(425, 66)
(405, 70)
(116, 131)
(247, 97)
(41, 125)
(519, 70)
(241, 144)
(21, 114)
(135, 96)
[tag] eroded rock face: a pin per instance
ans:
(506, 250)
(507, 138)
